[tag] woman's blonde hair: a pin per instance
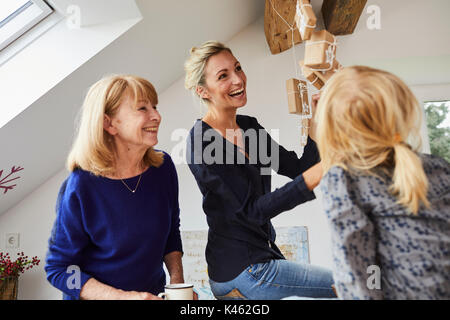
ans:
(364, 117)
(195, 64)
(93, 148)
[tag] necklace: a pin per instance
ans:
(137, 184)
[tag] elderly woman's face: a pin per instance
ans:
(225, 81)
(136, 126)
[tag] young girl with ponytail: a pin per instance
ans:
(387, 204)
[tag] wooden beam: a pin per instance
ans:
(341, 16)
(278, 33)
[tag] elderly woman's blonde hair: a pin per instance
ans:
(93, 148)
(365, 117)
(195, 64)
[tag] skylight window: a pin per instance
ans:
(19, 16)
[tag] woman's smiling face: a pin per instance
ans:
(225, 81)
(136, 125)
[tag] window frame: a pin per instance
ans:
(29, 20)
(427, 93)
(434, 103)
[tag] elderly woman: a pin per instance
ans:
(226, 157)
(117, 213)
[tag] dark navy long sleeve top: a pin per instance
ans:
(118, 237)
(237, 196)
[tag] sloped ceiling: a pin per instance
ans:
(39, 138)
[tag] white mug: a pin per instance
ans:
(178, 291)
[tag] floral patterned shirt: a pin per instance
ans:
(374, 236)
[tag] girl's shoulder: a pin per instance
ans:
(433, 164)
(365, 186)
(340, 175)
(437, 171)
(336, 180)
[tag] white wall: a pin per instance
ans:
(33, 219)
(266, 73)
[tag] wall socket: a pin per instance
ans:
(12, 240)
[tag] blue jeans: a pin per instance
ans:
(274, 280)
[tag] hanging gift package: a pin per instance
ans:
(305, 19)
(311, 76)
(298, 97)
(324, 76)
(320, 51)
(298, 103)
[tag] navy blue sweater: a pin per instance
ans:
(118, 237)
(237, 197)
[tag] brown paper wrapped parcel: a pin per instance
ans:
(305, 18)
(311, 76)
(296, 97)
(320, 50)
(324, 76)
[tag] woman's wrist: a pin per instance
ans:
(176, 279)
(95, 290)
(312, 176)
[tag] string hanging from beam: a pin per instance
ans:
(306, 113)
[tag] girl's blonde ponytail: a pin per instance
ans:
(410, 184)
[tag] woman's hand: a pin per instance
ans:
(312, 123)
(312, 176)
(96, 290)
(135, 295)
